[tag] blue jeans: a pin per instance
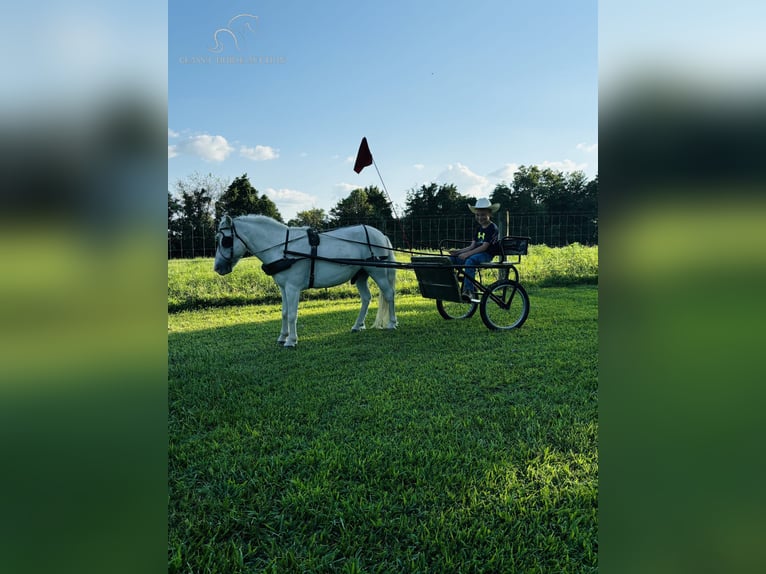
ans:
(470, 272)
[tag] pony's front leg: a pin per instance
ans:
(290, 303)
(364, 293)
(284, 332)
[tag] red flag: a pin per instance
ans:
(363, 156)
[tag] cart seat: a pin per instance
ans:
(510, 245)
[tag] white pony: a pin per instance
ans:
(299, 259)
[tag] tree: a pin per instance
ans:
(536, 191)
(587, 197)
(174, 224)
(502, 194)
(551, 194)
(445, 208)
(525, 196)
(361, 204)
(352, 209)
(267, 207)
(213, 184)
(381, 208)
(315, 218)
(436, 200)
(174, 213)
(198, 227)
(190, 220)
(241, 198)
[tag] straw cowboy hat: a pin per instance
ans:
(483, 203)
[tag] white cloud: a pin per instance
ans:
(216, 148)
(259, 152)
(418, 166)
(291, 201)
(589, 148)
(567, 166)
(292, 196)
(467, 182)
(207, 147)
(506, 172)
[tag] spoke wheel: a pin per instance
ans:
(504, 305)
(456, 310)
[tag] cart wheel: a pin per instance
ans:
(504, 305)
(456, 310)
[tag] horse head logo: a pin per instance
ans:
(237, 28)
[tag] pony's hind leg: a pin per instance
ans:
(284, 332)
(364, 293)
(389, 294)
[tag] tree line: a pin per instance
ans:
(543, 194)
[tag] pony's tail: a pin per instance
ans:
(382, 317)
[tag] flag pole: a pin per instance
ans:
(363, 159)
(391, 203)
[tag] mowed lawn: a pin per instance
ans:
(438, 447)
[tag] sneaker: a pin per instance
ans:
(468, 295)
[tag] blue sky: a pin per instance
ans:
(445, 92)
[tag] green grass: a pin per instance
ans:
(193, 284)
(438, 447)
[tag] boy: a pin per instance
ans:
(483, 247)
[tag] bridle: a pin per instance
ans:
(227, 242)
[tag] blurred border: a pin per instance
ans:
(682, 125)
(83, 289)
(83, 402)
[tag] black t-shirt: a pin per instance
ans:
(489, 235)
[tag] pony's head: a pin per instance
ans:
(229, 246)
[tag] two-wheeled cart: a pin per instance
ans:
(502, 301)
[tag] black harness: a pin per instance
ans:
(313, 237)
(286, 262)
